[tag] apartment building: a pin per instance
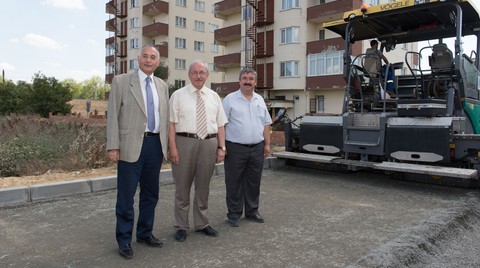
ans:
(182, 30)
(299, 64)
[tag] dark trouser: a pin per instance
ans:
(146, 172)
(243, 173)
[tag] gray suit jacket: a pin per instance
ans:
(127, 116)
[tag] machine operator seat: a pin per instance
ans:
(441, 60)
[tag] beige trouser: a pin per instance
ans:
(197, 163)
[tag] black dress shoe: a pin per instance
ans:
(181, 235)
(150, 240)
(208, 231)
(125, 251)
(256, 218)
(233, 222)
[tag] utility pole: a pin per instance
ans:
(3, 75)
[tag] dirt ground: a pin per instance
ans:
(79, 107)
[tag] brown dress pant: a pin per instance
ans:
(197, 163)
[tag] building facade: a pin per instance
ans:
(299, 64)
(182, 30)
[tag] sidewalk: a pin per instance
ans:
(313, 219)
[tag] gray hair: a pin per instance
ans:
(200, 62)
(247, 71)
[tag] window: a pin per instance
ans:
(296, 97)
(320, 104)
(182, 3)
(214, 48)
(200, 6)
(290, 35)
(179, 64)
(110, 50)
(134, 43)
(133, 64)
(374, 2)
(327, 63)
(198, 46)
(247, 12)
(180, 22)
(288, 68)
(213, 27)
(134, 23)
(134, 3)
(179, 83)
(321, 34)
(288, 4)
(180, 42)
(199, 26)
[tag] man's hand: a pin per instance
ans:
(114, 155)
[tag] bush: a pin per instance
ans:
(31, 145)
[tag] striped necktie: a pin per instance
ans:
(150, 105)
(201, 117)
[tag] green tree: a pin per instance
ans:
(94, 88)
(49, 95)
(75, 88)
(13, 97)
(162, 71)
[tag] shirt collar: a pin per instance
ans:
(142, 75)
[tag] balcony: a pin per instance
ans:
(163, 49)
(320, 46)
(110, 41)
(110, 7)
(331, 11)
(228, 33)
(110, 25)
(227, 7)
(224, 89)
(110, 59)
(119, 10)
(155, 8)
(265, 76)
(109, 78)
(326, 82)
(266, 13)
(155, 29)
(225, 61)
(265, 45)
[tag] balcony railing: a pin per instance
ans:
(155, 29)
(225, 88)
(225, 61)
(163, 49)
(110, 25)
(228, 33)
(227, 7)
(331, 11)
(155, 8)
(326, 82)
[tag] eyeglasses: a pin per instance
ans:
(199, 73)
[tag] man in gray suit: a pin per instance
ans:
(137, 131)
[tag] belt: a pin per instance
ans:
(150, 134)
(195, 136)
(247, 145)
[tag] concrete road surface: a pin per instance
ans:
(312, 219)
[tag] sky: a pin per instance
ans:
(59, 38)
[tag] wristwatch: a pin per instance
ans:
(223, 148)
